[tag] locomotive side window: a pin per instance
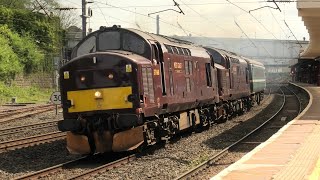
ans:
(208, 74)
(109, 40)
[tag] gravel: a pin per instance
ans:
(19, 162)
(175, 158)
(37, 118)
(165, 162)
(267, 131)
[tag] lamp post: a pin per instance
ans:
(84, 17)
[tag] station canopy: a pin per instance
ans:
(309, 11)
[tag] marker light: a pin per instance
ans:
(98, 94)
(82, 78)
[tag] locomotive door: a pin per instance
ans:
(158, 73)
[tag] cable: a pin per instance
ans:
(254, 18)
(280, 27)
(245, 33)
(292, 33)
(209, 20)
(102, 13)
(147, 17)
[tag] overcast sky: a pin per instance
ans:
(211, 18)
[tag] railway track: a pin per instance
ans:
(13, 114)
(84, 175)
(31, 141)
(13, 130)
(201, 168)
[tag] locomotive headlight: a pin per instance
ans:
(98, 95)
(82, 78)
(110, 76)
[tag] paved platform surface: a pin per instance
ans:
(292, 153)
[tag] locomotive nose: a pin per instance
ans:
(98, 83)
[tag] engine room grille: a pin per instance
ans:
(147, 81)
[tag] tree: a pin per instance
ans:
(53, 8)
(16, 4)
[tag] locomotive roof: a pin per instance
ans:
(195, 49)
(251, 61)
(225, 53)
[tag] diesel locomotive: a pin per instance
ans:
(125, 88)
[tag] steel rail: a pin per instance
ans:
(103, 168)
(210, 162)
(18, 114)
(52, 169)
(30, 141)
(7, 112)
(59, 167)
(17, 129)
(300, 104)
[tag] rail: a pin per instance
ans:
(210, 162)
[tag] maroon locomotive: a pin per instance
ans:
(125, 88)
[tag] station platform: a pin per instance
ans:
(292, 153)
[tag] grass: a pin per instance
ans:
(202, 158)
(24, 94)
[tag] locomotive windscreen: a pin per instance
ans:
(119, 39)
(217, 57)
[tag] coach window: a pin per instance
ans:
(208, 74)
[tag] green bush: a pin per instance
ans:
(25, 48)
(9, 61)
(23, 94)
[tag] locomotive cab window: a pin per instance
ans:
(109, 40)
(133, 43)
(87, 46)
(114, 40)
